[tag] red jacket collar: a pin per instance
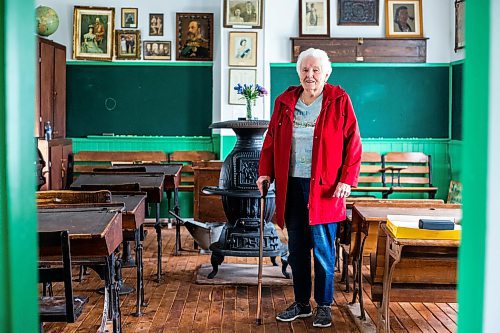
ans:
(290, 97)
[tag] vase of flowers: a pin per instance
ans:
(250, 93)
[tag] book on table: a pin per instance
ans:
(406, 226)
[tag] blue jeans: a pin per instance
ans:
(301, 238)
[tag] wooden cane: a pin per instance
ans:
(265, 186)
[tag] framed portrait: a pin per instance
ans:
(93, 33)
(156, 24)
(129, 17)
(314, 18)
(157, 50)
(357, 12)
(243, 76)
(243, 13)
(403, 18)
(459, 24)
(242, 49)
(128, 44)
(194, 36)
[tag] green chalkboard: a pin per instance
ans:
(456, 101)
(139, 100)
(390, 102)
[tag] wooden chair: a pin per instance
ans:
(408, 173)
(370, 176)
(187, 157)
(65, 308)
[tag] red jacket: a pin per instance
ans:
(336, 153)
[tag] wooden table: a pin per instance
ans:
(151, 183)
(95, 233)
(365, 221)
(394, 248)
(172, 180)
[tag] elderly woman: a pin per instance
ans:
(312, 151)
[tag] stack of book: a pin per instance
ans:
(407, 226)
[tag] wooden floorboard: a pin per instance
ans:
(177, 304)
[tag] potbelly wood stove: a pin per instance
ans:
(240, 199)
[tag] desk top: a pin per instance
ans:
(171, 171)
(134, 213)
(380, 213)
(152, 183)
(94, 231)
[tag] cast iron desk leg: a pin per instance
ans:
(158, 239)
(140, 281)
(178, 246)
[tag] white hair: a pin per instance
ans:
(320, 55)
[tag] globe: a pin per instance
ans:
(47, 21)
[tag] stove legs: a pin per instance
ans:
(215, 260)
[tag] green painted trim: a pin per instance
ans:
(450, 99)
(141, 63)
(18, 222)
(367, 64)
(143, 137)
(475, 167)
(457, 62)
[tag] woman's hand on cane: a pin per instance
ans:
(260, 183)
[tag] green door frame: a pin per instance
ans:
(474, 168)
(18, 241)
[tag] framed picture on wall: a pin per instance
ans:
(156, 24)
(242, 49)
(194, 36)
(93, 33)
(128, 44)
(157, 50)
(129, 17)
(314, 18)
(357, 12)
(242, 76)
(403, 18)
(243, 13)
(459, 24)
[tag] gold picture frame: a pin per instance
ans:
(128, 44)
(403, 18)
(244, 13)
(242, 76)
(242, 49)
(195, 36)
(93, 33)
(130, 17)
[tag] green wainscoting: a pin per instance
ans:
(167, 144)
(455, 151)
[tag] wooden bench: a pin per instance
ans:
(370, 176)
(187, 157)
(408, 173)
(86, 161)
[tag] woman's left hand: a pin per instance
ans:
(342, 190)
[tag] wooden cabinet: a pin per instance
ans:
(207, 208)
(55, 153)
(365, 49)
(51, 88)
